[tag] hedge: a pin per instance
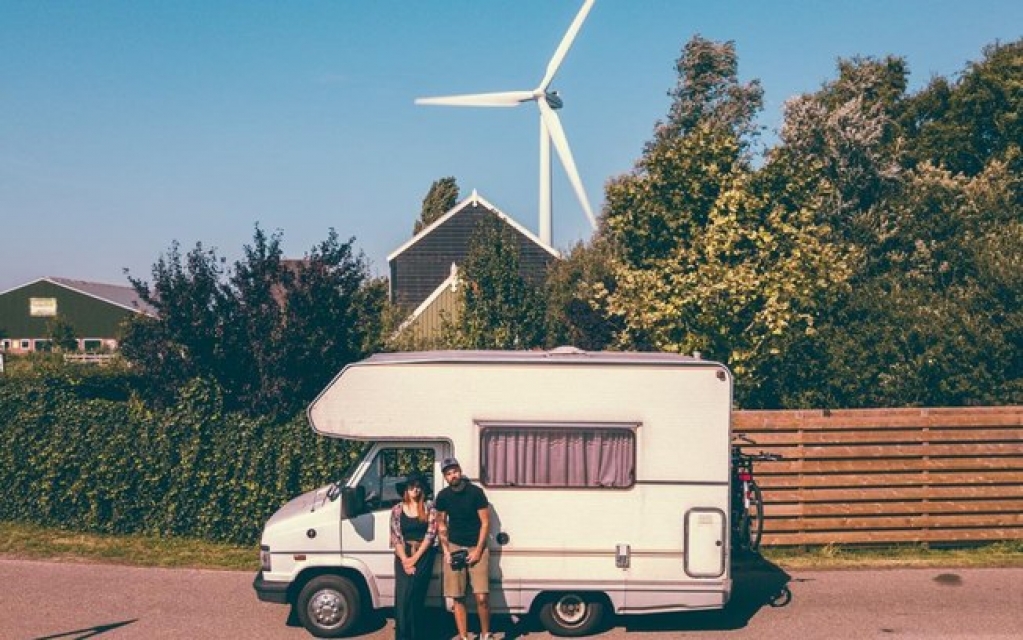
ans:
(84, 453)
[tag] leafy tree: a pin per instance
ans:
(270, 333)
(962, 125)
(576, 314)
(441, 198)
(62, 335)
(841, 144)
(333, 317)
(184, 339)
(924, 320)
(708, 93)
(705, 258)
(253, 315)
(500, 308)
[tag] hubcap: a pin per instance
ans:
(328, 609)
(571, 609)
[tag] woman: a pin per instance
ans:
(413, 536)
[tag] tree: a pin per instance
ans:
(842, 144)
(253, 314)
(576, 314)
(708, 93)
(704, 257)
(333, 317)
(441, 198)
(62, 335)
(927, 318)
(500, 308)
(962, 125)
(269, 332)
(184, 339)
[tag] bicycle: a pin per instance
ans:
(747, 500)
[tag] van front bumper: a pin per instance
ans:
(266, 591)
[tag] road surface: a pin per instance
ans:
(72, 601)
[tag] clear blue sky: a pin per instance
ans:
(127, 125)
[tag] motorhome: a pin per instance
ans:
(607, 474)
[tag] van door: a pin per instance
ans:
(366, 537)
(705, 548)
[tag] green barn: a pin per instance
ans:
(93, 310)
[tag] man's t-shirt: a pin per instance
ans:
(463, 508)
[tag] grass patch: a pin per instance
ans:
(992, 555)
(36, 542)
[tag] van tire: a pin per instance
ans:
(572, 614)
(329, 606)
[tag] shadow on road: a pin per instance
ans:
(89, 632)
(756, 583)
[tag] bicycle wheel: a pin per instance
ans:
(740, 524)
(753, 522)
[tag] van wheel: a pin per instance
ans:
(572, 614)
(329, 606)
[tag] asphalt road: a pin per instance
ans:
(56, 600)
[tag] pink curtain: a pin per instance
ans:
(558, 457)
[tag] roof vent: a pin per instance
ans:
(566, 350)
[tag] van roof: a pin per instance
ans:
(571, 355)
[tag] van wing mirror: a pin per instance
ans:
(353, 501)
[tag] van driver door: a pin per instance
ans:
(366, 537)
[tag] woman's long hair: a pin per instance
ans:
(419, 502)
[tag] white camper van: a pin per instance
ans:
(607, 474)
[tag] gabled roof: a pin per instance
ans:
(473, 199)
(117, 295)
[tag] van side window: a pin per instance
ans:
(388, 468)
(558, 456)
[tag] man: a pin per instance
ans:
(463, 522)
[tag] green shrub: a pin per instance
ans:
(81, 451)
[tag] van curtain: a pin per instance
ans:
(558, 457)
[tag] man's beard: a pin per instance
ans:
(458, 485)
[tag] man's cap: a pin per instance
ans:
(448, 463)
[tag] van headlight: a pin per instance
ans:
(264, 557)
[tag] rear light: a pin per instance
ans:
(264, 557)
(745, 476)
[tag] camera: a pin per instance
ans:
(459, 559)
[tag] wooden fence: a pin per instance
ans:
(889, 475)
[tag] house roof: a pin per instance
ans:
(118, 295)
(473, 199)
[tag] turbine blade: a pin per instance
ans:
(553, 123)
(566, 43)
(499, 99)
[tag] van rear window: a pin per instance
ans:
(558, 456)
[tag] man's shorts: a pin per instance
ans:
(478, 575)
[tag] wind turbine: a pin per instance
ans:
(551, 130)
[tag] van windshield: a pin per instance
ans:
(350, 461)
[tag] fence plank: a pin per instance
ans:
(812, 510)
(793, 465)
(884, 436)
(923, 476)
(862, 494)
(874, 523)
(964, 535)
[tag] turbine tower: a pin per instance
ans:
(551, 131)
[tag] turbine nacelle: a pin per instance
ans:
(553, 100)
